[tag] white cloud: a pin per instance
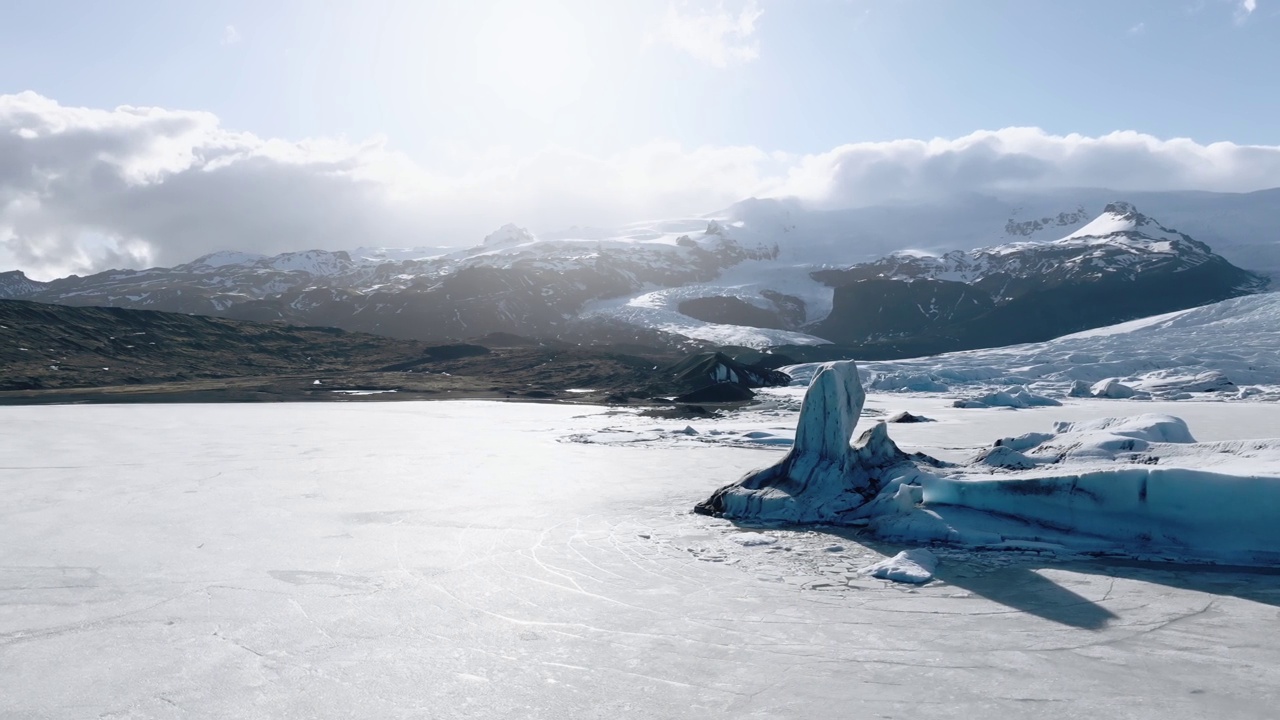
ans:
(1026, 159)
(1138, 29)
(717, 37)
(230, 35)
(1244, 9)
(84, 189)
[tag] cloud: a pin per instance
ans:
(230, 35)
(1138, 29)
(84, 189)
(1245, 8)
(716, 37)
(1025, 159)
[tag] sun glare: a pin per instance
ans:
(533, 56)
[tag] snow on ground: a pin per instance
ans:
(461, 559)
(1224, 350)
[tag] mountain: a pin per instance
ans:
(1242, 227)
(1121, 265)
(15, 284)
(1120, 240)
(511, 283)
(763, 273)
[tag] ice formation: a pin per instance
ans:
(822, 477)
(1138, 485)
(1010, 397)
(1111, 388)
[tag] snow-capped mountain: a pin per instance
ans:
(1119, 266)
(311, 262)
(15, 284)
(763, 273)
(1120, 240)
(1244, 228)
(513, 282)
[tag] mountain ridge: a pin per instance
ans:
(735, 280)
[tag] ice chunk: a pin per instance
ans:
(821, 477)
(1153, 427)
(1113, 389)
(1011, 397)
(914, 566)
(1003, 456)
(907, 382)
(1025, 441)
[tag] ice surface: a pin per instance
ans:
(659, 308)
(457, 560)
(1211, 351)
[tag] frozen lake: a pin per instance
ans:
(462, 560)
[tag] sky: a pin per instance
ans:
(138, 133)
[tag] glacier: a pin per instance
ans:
(1226, 350)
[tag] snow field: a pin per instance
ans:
(459, 559)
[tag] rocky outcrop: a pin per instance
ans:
(713, 368)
